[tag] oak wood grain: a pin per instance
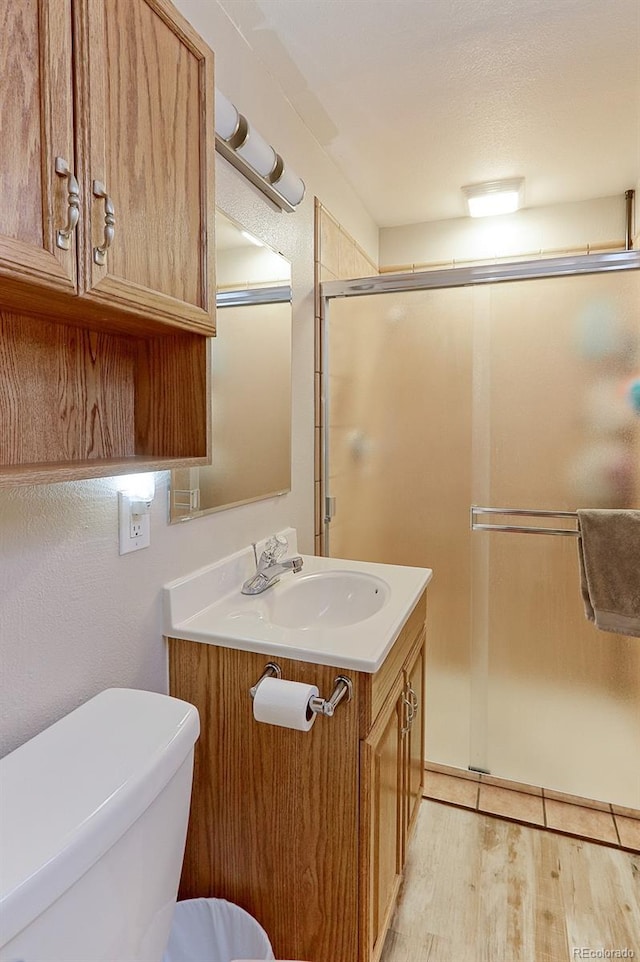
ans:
(414, 743)
(306, 831)
(66, 393)
(381, 826)
(376, 687)
(110, 387)
(274, 817)
(153, 153)
(78, 402)
(36, 119)
(30, 291)
(173, 423)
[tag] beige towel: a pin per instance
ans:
(609, 551)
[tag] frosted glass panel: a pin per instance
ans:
(400, 468)
(563, 705)
(522, 395)
(564, 353)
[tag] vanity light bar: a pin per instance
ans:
(241, 144)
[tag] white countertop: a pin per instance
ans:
(207, 606)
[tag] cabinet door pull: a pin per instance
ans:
(100, 253)
(409, 713)
(63, 234)
(413, 698)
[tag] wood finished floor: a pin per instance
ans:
(479, 889)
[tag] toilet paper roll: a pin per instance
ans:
(284, 703)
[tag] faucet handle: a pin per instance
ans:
(276, 547)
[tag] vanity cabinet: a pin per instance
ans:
(107, 288)
(307, 831)
(391, 766)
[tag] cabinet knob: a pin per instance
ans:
(63, 234)
(100, 253)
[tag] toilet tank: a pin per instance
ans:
(93, 821)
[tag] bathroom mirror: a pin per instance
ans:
(250, 381)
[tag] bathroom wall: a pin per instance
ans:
(337, 256)
(563, 228)
(75, 617)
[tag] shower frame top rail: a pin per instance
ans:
(483, 274)
(477, 510)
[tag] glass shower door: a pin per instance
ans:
(400, 388)
(512, 395)
(557, 702)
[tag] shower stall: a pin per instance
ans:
(467, 414)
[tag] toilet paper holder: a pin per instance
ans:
(343, 689)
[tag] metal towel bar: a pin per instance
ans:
(476, 511)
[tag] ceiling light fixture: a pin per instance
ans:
(494, 197)
(241, 144)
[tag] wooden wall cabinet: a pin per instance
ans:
(107, 228)
(107, 191)
(308, 831)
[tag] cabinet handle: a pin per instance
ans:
(63, 234)
(409, 715)
(415, 703)
(100, 253)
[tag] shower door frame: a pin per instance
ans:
(434, 280)
(598, 263)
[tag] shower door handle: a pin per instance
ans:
(478, 525)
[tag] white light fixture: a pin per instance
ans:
(135, 495)
(257, 152)
(241, 144)
(227, 117)
(494, 197)
(290, 185)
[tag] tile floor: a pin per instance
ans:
(567, 814)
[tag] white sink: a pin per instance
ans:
(335, 612)
(330, 599)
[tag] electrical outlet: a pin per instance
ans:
(134, 528)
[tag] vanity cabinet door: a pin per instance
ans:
(382, 818)
(36, 120)
(146, 146)
(413, 744)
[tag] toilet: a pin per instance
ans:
(93, 822)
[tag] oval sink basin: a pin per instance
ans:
(329, 599)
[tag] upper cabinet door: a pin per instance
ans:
(146, 144)
(38, 206)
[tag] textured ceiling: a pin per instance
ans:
(414, 98)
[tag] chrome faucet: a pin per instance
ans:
(270, 566)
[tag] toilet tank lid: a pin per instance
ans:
(67, 795)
